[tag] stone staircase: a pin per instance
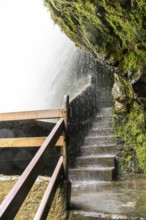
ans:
(93, 172)
(96, 162)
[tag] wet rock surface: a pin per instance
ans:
(123, 199)
(113, 31)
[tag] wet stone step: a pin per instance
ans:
(97, 173)
(99, 140)
(102, 132)
(79, 213)
(83, 186)
(96, 150)
(106, 111)
(103, 118)
(107, 160)
(102, 125)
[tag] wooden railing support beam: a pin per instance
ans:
(27, 142)
(30, 115)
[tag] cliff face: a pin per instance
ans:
(114, 31)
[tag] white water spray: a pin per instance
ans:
(35, 58)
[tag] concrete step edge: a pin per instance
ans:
(104, 216)
(101, 129)
(103, 117)
(107, 108)
(93, 168)
(99, 136)
(98, 182)
(104, 145)
(97, 157)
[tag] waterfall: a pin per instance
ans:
(38, 63)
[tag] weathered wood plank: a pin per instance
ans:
(65, 146)
(27, 142)
(65, 149)
(38, 114)
(18, 193)
(48, 197)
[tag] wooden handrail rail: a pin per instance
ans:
(18, 193)
(28, 115)
(47, 199)
(27, 142)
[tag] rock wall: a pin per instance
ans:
(113, 31)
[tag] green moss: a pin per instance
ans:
(113, 31)
(130, 127)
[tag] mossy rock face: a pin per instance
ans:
(130, 128)
(113, 31)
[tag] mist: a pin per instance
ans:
(35, 58)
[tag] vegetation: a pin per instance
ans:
(130, 128)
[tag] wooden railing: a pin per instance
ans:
(58, 137)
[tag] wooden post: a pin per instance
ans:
(67, 183)
(65, 146)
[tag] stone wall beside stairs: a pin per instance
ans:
(83, 108)
(104, 79)
(86, 104)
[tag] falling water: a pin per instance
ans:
(38, 66)
(38, 63)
